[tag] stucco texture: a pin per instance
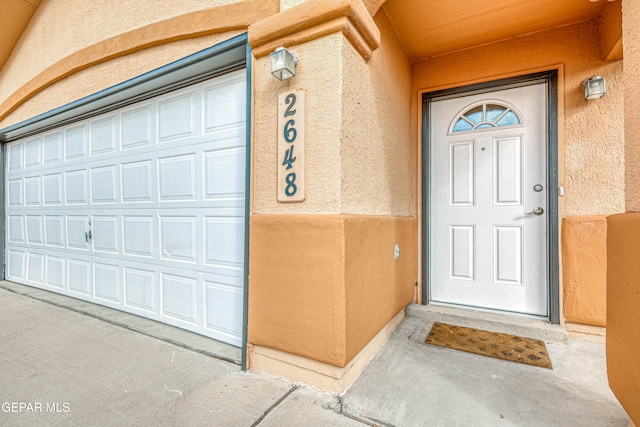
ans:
(378, 162)
(623, 300)
(631, 37)
(358, 153)
(322, 286)
(584, 266)
(93, 39)
(67, 26)
(319, 72)
(109, 73)
(591, 138)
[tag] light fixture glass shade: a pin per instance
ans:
(283, 63)
(594, 88)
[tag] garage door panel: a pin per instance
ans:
(15, 192)
(32, 192)
(55, 272)
(15, 156)
(177, 178)
(79, 276)
(75, 145)
(220, 183)
(161, 187)
(76, 187)
(16, 229)
(138, 125)
(136, 181)
(176, 117)
(55, 230)
(178, 241)
(225, 108)
(107, 282)
(33, 152)
(224, 244)
(52, 148)
(35, 234)
(139, 289)
(103, 135)
(52, 189)
(106, 231)
(77, 227)
(179, 298)
(104, 185)
(138, 235)
(17, 264)
(223, 306)
(35, 268)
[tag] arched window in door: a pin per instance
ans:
(486, 115)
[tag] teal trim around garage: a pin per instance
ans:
(247, 213)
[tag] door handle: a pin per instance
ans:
(88, 236)
(537, 211)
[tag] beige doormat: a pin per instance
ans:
(501, 346)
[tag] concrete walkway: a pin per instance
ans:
(60, 367)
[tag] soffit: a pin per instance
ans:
(429, 28)
(16, 14)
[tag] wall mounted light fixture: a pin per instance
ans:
(594, 88)
(283, 63)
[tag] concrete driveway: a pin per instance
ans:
(61, 367)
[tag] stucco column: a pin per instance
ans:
(323, 280)
(631, 43)
(623, 276)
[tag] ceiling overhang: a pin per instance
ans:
(16, 15)
(428, 28)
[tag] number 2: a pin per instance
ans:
(291, 101)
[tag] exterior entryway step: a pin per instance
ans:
(526, 327)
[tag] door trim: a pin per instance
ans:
(550, 78)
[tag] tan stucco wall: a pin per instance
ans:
(322, 286)
(67, 26)
(377, 287)
(104, 31)
(623, 300)
(104, 75)
(610, 24)
(584, 266)
(631, 38)
(288, 4)
(296, 279)
(360, 201)
(591, 146)
(319, 72)
(359, 159)
(378, 161)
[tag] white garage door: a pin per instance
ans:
(140, 209)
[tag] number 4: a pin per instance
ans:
(288, 158)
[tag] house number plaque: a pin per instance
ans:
(291, 121)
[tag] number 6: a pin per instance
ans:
(290, 133)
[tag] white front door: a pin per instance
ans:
(488, 201)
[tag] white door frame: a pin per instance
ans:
(550, 78)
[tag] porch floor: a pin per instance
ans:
(412, 383)
(91, 372)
